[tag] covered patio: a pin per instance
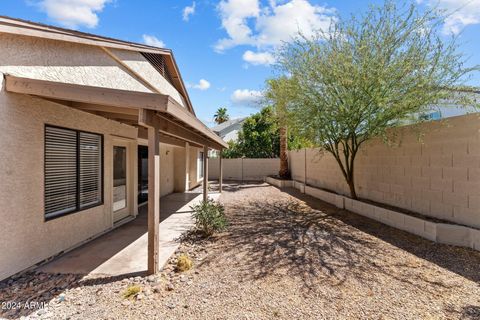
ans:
(159, 119)
(123, 251)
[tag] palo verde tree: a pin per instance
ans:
(367, 74)
(221, 115)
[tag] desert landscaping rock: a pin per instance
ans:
(284, 256)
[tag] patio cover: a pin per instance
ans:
(122, 105)
(157, 116)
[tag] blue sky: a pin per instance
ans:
(224, 48)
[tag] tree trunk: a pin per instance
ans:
(283, 173)
(351, 186)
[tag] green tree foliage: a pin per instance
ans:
(221, 115)
(260, 137)
(368, 74)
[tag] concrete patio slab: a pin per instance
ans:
(123, 251)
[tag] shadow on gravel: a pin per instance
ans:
(233, 186)
(320, 243)
(470, 313)
(31, 291)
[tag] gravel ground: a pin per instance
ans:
(284, 256)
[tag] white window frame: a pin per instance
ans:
(200, 160)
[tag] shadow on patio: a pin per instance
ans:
(123, 251)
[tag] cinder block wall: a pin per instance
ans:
(433, 169)
(243, 169)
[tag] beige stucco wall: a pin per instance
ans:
(25, 237)
(438, 176)
(60, 61)
(167, 160)
(180, 170)
(243, 169)
(140, 65)
(194, 181)
(167, 164)
(64, 62)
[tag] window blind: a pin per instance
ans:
(60, 171)
(73, 170)
(90, 169)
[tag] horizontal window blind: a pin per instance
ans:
(60, 171)
(73, 170)
(90, 169)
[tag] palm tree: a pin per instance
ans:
(278, 92)
(221, 115)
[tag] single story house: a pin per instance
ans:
(92, 127)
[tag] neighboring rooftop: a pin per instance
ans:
(228, 130)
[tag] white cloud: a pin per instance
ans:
(74, 13)
(188, 11)
(246, 97)
(234, 15)
(258, 58)
(460, 13)
(201, 85)
(247, 23)
(153, 41)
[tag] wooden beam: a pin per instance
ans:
(205, 173)
(128, 118)
(150, 118)
(153, 199)
(102, 108)
(114, 98)
(164, 138)
(187, 166)
(176, 110)
(220, 177)
(86, 94)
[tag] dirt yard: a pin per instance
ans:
(284, 256)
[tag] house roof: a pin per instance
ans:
(33, 29)
(227, 125)
(137, 108)
(228, 130)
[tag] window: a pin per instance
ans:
(73, 171)
(119, 178)
(200, 165)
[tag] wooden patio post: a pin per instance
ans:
(220, 177)
(187, 166)
(153, 198)
(205, 173)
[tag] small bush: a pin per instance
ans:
(184, 263)
(209, 217)
(132, 291)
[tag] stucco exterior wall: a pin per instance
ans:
(194, 181)
(64, 62)
(433, 170)
(244, 169)
(26, 238)
(52, 60)
(180, 170)
(167, 160)
(140, 65)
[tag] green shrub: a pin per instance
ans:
(209, 217)
(132, 291)
(184, 263)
